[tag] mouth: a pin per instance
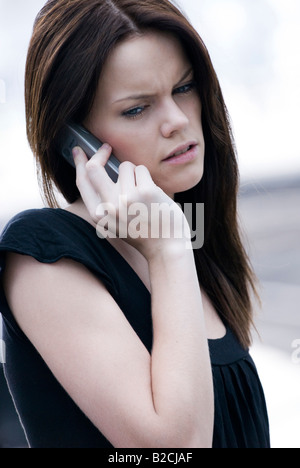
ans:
(181, 151)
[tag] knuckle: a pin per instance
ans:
(141, 167)
(146, 193)
(126, 164)
(92, 166)
(128, 198)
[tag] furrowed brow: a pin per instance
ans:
(136, 97)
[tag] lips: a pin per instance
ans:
(182, 149)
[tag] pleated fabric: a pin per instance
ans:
(241, 419)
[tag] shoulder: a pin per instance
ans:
(49, 235)
(25, 227)
(46, 234)
(44, 220)
(29, 217)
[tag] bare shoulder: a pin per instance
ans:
(85, 339)
(28, 280)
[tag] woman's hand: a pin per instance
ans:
(176, 379)
(134, 209)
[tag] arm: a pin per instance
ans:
(136, 400)
(180, 363)
(181, 370)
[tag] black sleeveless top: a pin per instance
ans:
(48, 415)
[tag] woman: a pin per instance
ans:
(129, 341)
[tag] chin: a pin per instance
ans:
(187, 183)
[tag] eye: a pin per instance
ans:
(134, 112)
(185, 89)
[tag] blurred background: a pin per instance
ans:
(254, 46)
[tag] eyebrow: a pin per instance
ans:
(145, 96)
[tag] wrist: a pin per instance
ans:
(171, 251)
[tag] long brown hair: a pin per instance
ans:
(70, 43)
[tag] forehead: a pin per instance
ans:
(144, 63)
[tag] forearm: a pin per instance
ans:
(169, 399)
(180, 364)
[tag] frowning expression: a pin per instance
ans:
(148, 109)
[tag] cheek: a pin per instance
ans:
(128, 147)
(115, 134)
(116, 139)
(124, 150)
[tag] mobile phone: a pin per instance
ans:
(73, 135)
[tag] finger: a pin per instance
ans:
(143, 176)
(102, 155)
(97, 174)
(79, 156)
(88, 194)
(126, 177)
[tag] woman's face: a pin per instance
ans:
(147, 108)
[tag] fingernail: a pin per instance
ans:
(75, 152)
(106, 147)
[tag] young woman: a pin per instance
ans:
(129, 341)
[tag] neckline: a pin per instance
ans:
(227, 350)
(110, 246)
(224, 337)
(70, 213)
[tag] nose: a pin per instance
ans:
(173, 119)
